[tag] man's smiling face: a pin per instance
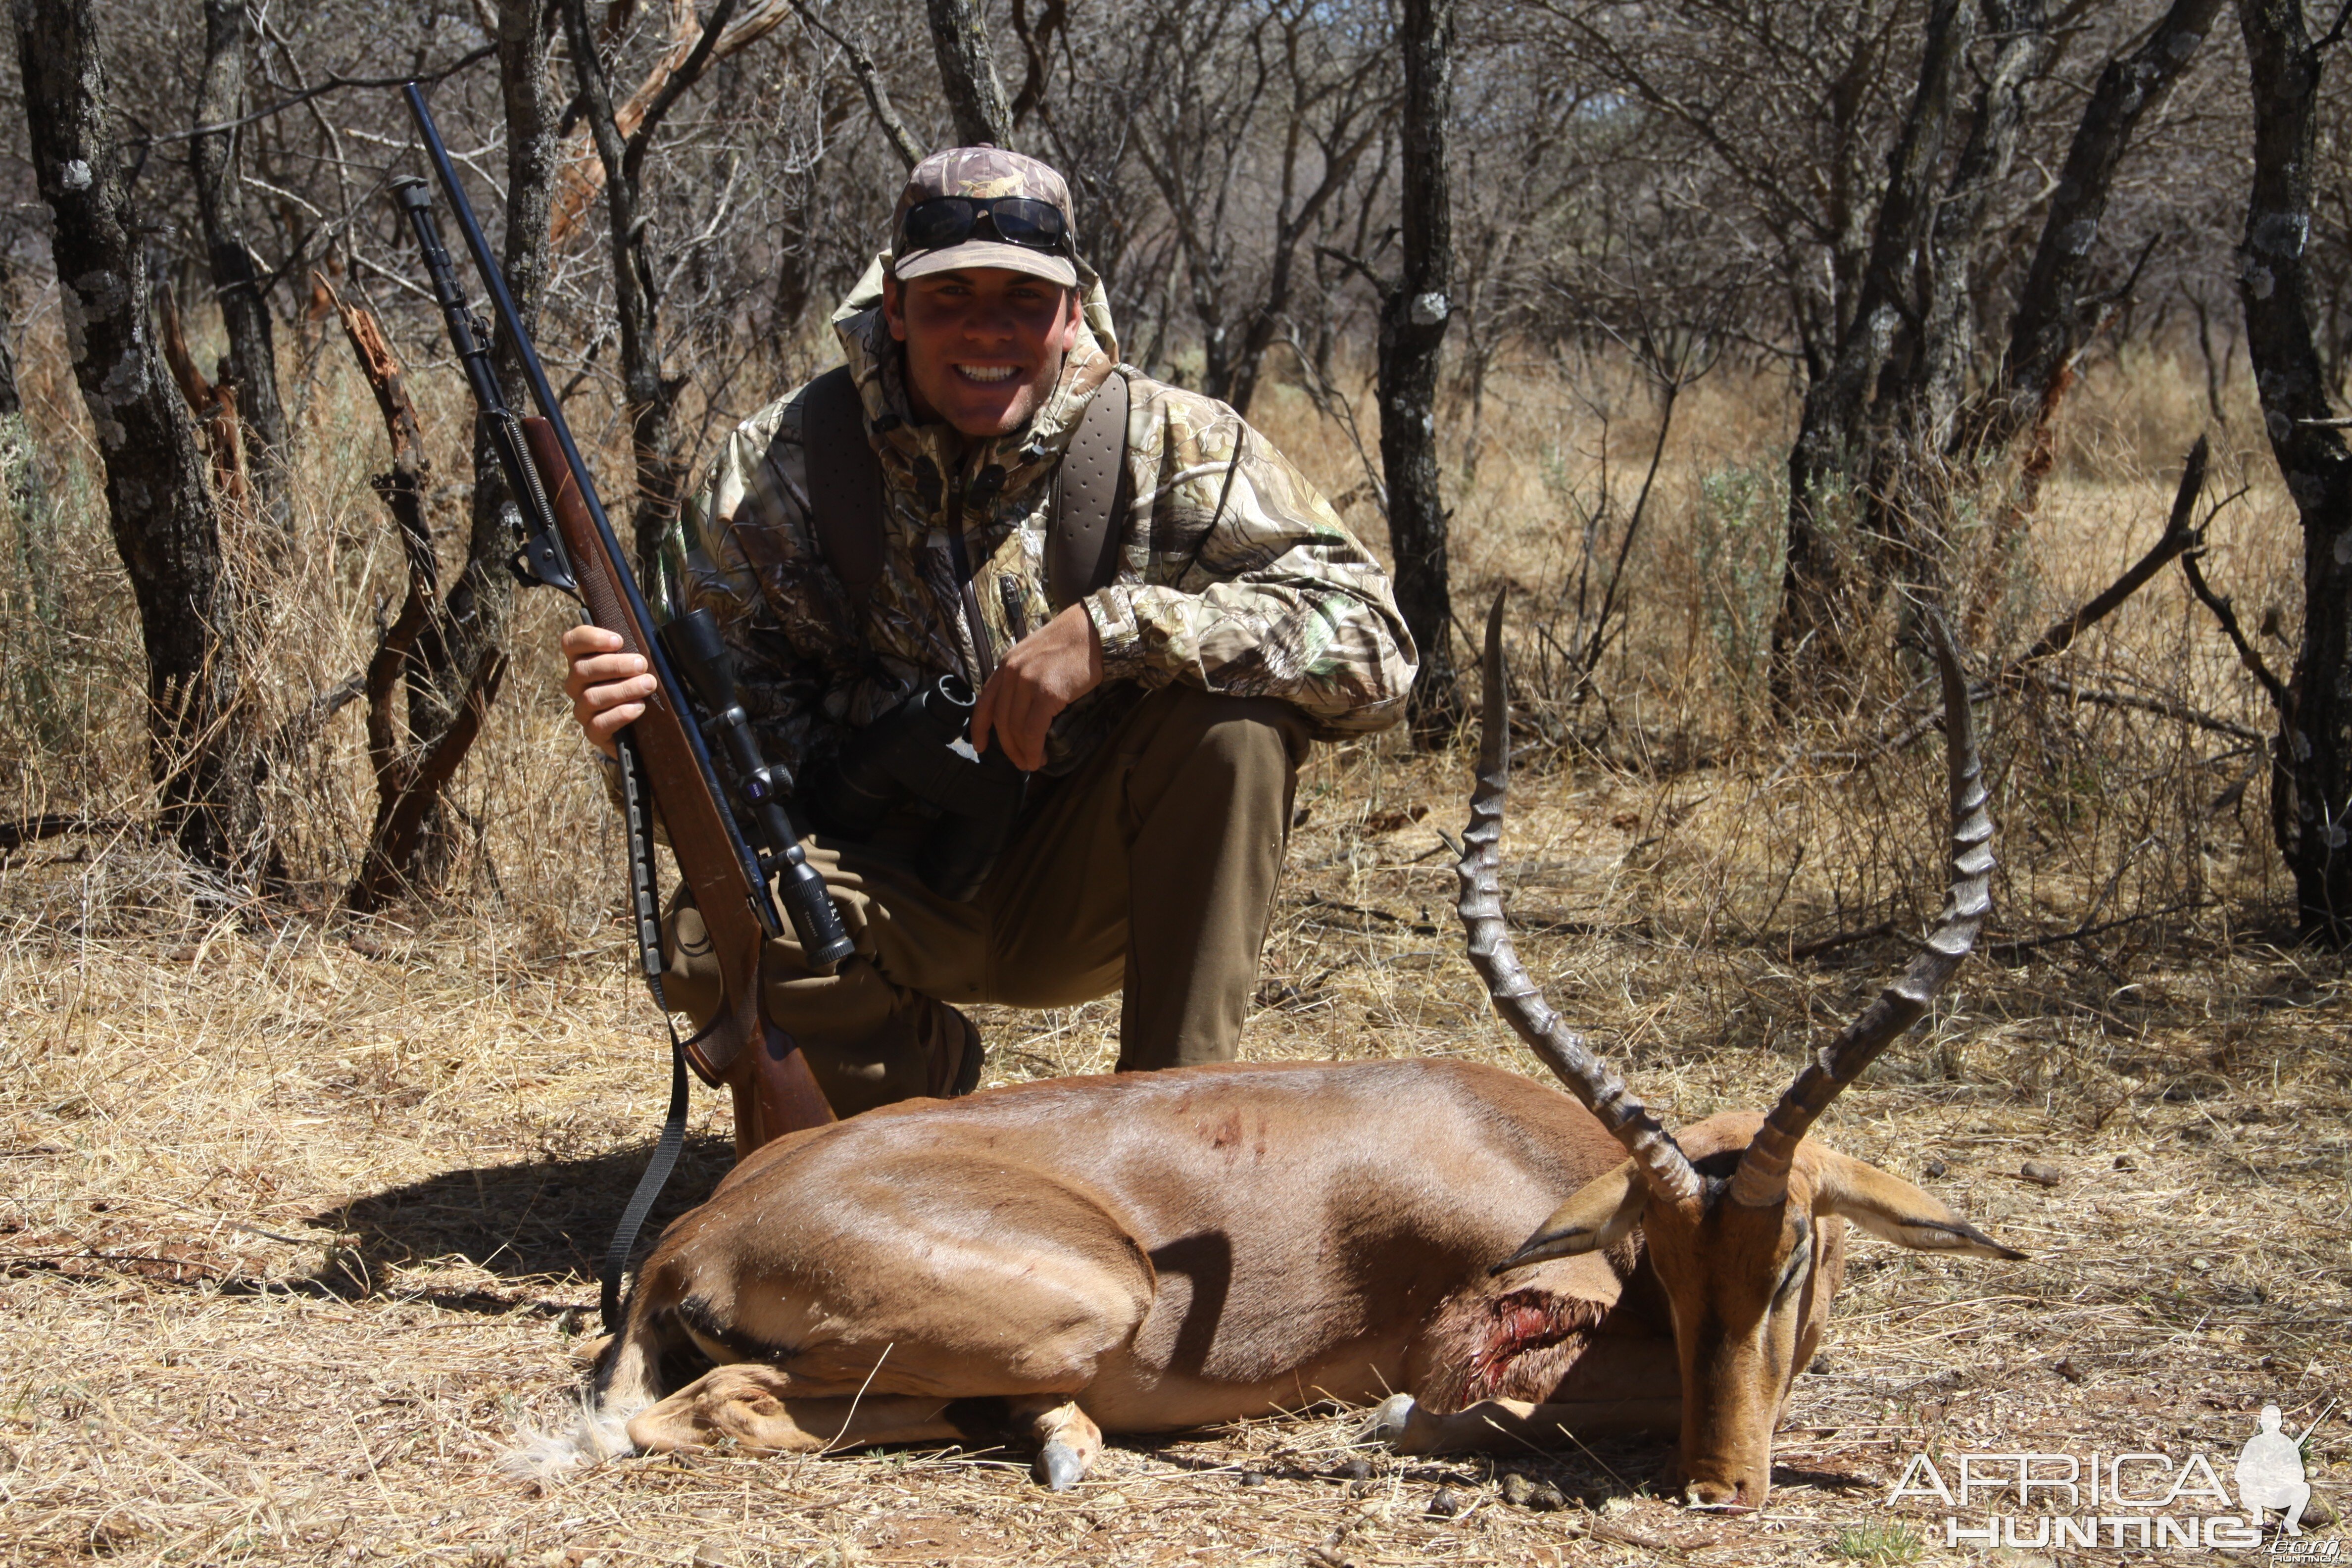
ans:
(984, 344)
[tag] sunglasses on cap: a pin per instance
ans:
(943, 221)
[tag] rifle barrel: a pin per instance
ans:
(534, 374)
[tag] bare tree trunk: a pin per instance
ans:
(1910, 487)
(2216, 368)
(2056, 315)
(484, 596)
(165, 528)
(2051, 323)
(1948, 346)
(1831, 455)
(213, 407)
(2311, 778)
(661, 466)
(1413, 335)
(251, 366)
(578, 176)
(11, 399)
(968, 74)
(410, 772)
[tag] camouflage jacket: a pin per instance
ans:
(1233, 574)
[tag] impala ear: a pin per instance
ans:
(1601, 1214)
(1894, 1210)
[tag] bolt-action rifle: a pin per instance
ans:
(665, 760)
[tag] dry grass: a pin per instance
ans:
(299, 1217)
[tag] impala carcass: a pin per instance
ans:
(1498, 1263)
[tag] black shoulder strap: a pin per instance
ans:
(844, 481)
(645, 891)
(1082, 552)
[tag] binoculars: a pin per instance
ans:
(921, 751)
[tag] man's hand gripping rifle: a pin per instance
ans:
(665, 763)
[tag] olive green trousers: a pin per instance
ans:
(1150, 870)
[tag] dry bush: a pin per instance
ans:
(298, 1214)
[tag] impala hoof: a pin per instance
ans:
(1392, 1418)
(1060, 1467)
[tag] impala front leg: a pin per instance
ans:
(1068, 1442)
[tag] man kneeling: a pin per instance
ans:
(1154, 636)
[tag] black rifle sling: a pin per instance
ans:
(649, 1186)
(645, 893)
(844, 481)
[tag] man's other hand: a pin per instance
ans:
(1046, 671)
(608, 687)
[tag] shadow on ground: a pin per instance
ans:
(524, 1219)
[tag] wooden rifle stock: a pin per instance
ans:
(774, 1091)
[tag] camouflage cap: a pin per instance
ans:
(983, 173)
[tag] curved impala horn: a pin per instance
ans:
(1762, 1179)
(1517, 997)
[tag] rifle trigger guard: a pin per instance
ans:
(540, 564)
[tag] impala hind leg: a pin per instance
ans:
(760, 1409)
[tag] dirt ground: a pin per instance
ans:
(299, 1220)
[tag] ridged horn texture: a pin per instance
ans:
(1762, 1179)
(1517, 997)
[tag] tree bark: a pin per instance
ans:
(1908, 494)
(165, 525)
(2050, 323)
(12, 400)
(250, 367)
(1413, 317)
(32, 685)
(2311, 777)
(213, 407)
(968, 74)
(1948, 335)
(484, 597)
(410, 773)
(1831, 455)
